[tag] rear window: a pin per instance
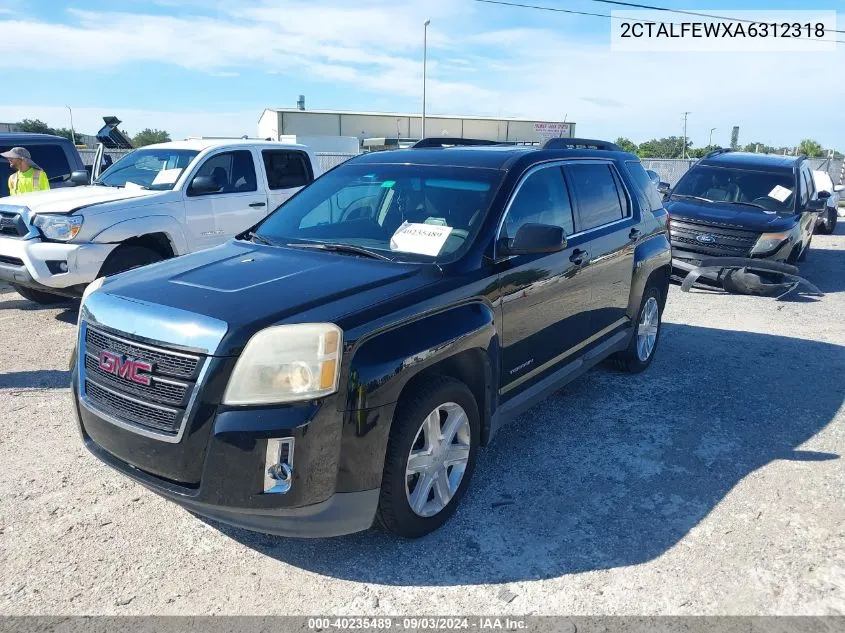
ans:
(599, 199)
(50, 158)
(645, 184)
(286, 169)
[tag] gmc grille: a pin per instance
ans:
(727, 241)
(162, 405)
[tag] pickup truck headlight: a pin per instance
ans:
(59, 227)
(287, 363)
(768, 242)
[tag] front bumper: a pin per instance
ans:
(217, 469)
(24, 262)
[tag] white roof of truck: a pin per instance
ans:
(201, 144)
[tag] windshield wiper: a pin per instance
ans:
(255, 237)
(688, 197)
(342, 248)
(746, 204)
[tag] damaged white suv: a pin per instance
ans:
(157, 202)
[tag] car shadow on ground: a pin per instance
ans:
(825, 268)
(39, 379)
(613, 470)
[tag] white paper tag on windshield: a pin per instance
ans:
(424, 239)
(131, 185)
(167, 176)
(780, 193)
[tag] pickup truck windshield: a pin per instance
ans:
(768, 191)
(401, 211)
(149, 168)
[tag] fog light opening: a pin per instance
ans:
(278, 465)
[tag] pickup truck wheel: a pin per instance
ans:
(643, 343)
(430, 457)
(829, 225)
(127, 257)
(44, 298)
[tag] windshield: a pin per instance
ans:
(408, 212)
(149, 168)
(770, 192)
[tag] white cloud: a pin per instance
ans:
(374, 46)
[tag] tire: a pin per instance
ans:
(632, 359)
(830, 226)
(38, 296)
(448, 397)
(128, 257)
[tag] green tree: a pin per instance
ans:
(762, 148)
(148, 137)
(667, 147)
(700, 152)
(811, 148)
(36, 126)
(64, 132)
(627, 145)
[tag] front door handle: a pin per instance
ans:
(258, 204)
(634, 234)
(578, 256)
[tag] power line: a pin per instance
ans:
(616, 17)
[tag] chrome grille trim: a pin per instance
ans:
(161, 390)
(133, 410)
(169, 362)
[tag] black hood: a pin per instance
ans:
(249, 286)
(737, 216)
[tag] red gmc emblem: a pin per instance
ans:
(125, 367)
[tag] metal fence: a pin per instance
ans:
(671, 169)
(327, 160)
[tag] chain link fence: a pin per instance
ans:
(671, 169)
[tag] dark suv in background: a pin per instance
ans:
(743, 205)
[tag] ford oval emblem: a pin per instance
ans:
(705, 238)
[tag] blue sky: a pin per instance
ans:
(208, 67)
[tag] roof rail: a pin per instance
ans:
(227, 138)
(453, 142)
(716, 152)
(587, 143)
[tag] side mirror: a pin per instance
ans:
(838, 188)
(663, 188)
(823, 195)
(534, 239)
(816, 205)
(202, 185)
(80, 178)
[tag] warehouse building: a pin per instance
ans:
(374, 129)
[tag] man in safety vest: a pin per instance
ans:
(28, 176)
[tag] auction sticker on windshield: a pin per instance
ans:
(780, 193)
(167, 176)
(423, 239)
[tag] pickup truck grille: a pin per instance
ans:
(160, 406)
(12, 224)
(723, 240)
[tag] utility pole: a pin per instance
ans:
(425, 54)
(710, 142)
(684, 148)
(72, 133)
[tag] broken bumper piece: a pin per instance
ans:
(749, 276)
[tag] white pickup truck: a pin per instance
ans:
(156, 202)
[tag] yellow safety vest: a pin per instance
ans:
(28, 181)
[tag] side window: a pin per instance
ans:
(542, 199)
(641, 179)
(597, 193)
(233, 172)
(286, 169)
(52, 159)
(805, 189)
(811, 184)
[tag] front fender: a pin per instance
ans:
(649, 255)
(136, 227)
(382, 364)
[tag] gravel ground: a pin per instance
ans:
(711, 484)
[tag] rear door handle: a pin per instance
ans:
(634, 234)
(258, 204)
(578, 257)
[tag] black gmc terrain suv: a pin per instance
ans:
(343, 361)
(737, 204)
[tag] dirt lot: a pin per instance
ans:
(712, 484)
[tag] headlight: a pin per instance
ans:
(287, 363)
(770, 241)
(59, 227)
